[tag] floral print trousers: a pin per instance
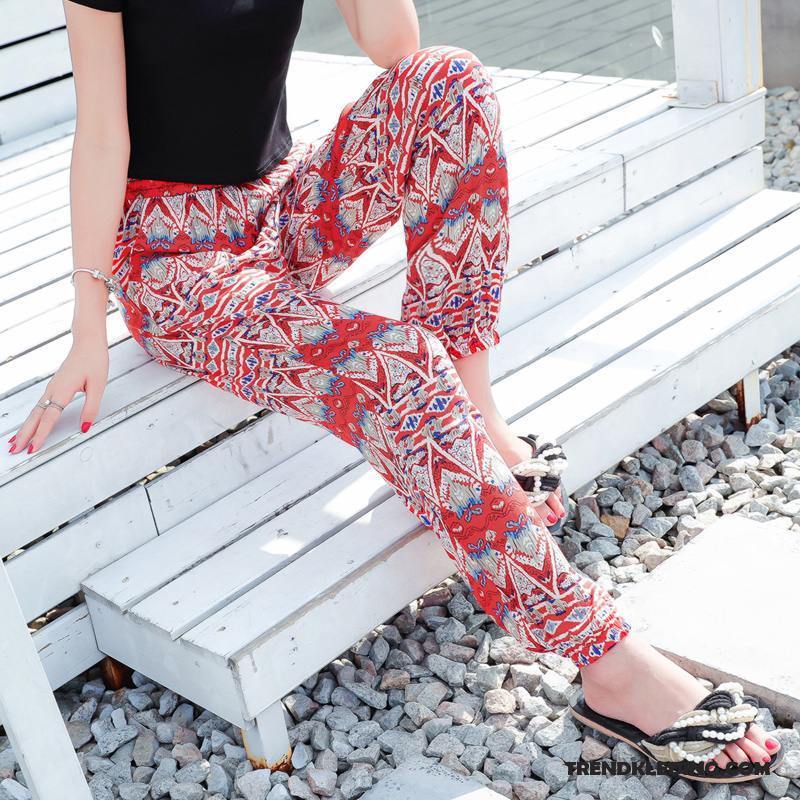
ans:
(226, 282)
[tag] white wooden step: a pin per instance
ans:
(564, 186)
(695, 315)
(144, 400)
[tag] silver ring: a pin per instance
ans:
(48, 403)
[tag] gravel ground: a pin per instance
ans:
(440, 679)
(782, 145)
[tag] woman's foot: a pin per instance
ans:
(635, 683)
(514, 450)
(474, 373)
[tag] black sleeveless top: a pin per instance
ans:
(206, 86)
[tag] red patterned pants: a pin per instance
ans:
(224, 282)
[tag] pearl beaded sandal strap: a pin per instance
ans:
(689, 746)
(539, 475)
(701, 734)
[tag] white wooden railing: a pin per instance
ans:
(717, 50)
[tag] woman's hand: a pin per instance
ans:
(85, 369)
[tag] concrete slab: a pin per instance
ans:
(725, 607)
(423, 779)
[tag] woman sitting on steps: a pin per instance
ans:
(215, 232)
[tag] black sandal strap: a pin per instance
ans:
(722, 716)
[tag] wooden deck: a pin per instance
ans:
(622, 38)
(586, 153)
(617, 38)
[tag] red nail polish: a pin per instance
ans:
(552, 518)
(11, 449)
(30, 447)
(85, 426)
(772, 744)
(12, 438)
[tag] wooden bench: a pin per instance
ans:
(649, 271)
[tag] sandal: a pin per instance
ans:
(686, 748)
(539, 475)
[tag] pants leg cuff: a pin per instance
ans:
(594, 647)
(475, 343)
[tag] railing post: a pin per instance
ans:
(29, 712)
(717, 50)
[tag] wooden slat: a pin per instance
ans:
(21, 20)
(51, 571)
(53, 160)
(34, 61)
(264, 552)
(36, 146)
(67, 646)
(690, 141)
(35, 109)
(689, 275)
(199, 674)
(230, 463)
(676, 371)
(131, 579)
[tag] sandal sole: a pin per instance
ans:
(564, 502)
(590, 723)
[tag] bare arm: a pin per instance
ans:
(386, 30)
(99, 154)
(98, 172)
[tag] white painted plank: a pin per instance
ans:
(21, 21)
(47, 245)
(29, 711)
(564, 118)
(33, 229)
(37, 146)
(698, 149)
(692, 277)
(51, 571)
(265, 551)
(614, 121)
(24, 281)
(34, 61)
(67, 646)
(33, 165)
(287, 593)
(407, 565)
(672, 374)
(183, 668)
(228, 464)
(145, 570)
(35, 109)
(33, 199)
